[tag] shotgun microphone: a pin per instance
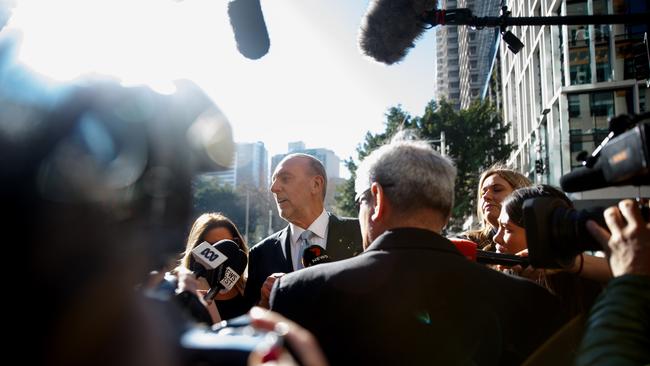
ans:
(247, 21)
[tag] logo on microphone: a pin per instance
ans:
(208, 255)
(229, 278)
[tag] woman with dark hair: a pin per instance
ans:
(213, 227)
(578, 285)
(494, 186)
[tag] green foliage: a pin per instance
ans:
(474, 136)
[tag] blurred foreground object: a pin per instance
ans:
(96, 184)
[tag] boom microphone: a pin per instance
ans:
(390, 27)
(470, 250)
(248, 25)
(313, 255)
(228, 273)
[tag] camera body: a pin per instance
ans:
(229, 343)
(555, 232)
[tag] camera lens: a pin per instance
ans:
(569, 231)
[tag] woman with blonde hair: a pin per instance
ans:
(213, 227)
(494, 186)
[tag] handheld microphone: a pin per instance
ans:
(228, 273)
(248, 25)
(313, 255)
(470, 250)
(390, 27)
(206, 258)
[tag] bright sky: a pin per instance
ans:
(313, 85)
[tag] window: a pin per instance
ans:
(589, 115)
(574, 106)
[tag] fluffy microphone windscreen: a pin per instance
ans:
(390, 28)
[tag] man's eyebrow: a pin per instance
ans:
(281, 174)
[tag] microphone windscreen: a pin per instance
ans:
(390, 27)
(313, 255)
(466, 247)
(248, 25)
(584, 179)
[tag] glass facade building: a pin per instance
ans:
(561, 89)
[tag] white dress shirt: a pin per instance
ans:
(319, 237)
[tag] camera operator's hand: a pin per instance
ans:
(265, 291)
(628, 246)
(302, 342)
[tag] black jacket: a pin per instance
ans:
(412, 298)
(266, 257)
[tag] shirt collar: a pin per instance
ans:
(318, 227)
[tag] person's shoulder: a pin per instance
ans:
(327, 273)
(270, 240)
(344, 222)
(343, 219)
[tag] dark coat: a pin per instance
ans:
(266, 257)
(412, 298)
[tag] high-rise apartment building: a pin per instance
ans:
(252, 165)
(464, 55)
(249, 168)
(561, 89)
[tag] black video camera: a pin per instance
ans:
(555, 232)
(230, 343)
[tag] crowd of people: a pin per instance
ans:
(113, 284)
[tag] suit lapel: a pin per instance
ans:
(337, 248)
(285, 239)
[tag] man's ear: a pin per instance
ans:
(379, 202)
(318, 184)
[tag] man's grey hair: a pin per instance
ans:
(315, 165)
(412, 174)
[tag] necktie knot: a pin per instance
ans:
(305, 236)
(303, 242)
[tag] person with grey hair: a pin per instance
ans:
(411, 297)
(299, 184)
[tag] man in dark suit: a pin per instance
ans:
(299, 184)
(411, 297)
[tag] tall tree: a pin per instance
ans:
(475, 138)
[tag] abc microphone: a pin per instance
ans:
(313, 255)
(470, 250)
(206, 258)
(229, 271)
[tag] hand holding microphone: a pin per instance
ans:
(231, 262)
